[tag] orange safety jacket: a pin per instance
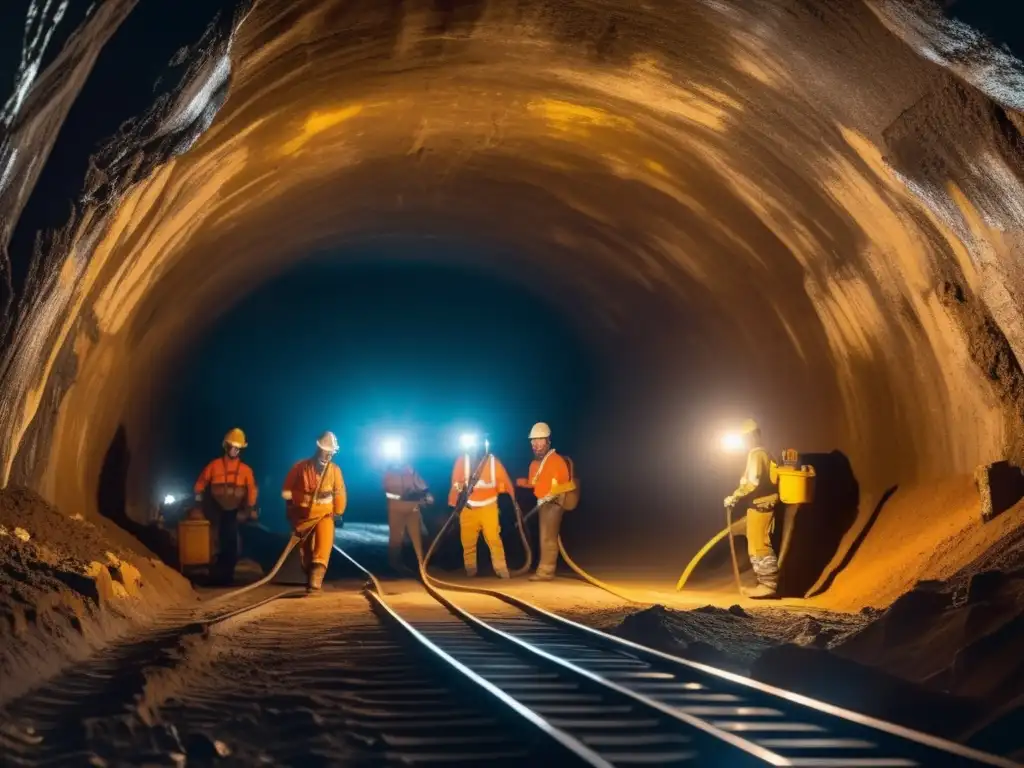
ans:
(493, 480)
(230, 481)
(301, 484)
(546, 473)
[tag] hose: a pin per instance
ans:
(293, 542)
(428, 579)
(593, 580)
(521, 525)
(732, 549)
(688, 571)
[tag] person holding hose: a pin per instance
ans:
(548, 472)
(480, 514)
(405, 491)
(226, 491)
(760, 493)
(314, 492)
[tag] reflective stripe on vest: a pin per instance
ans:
(480, 483)
(228, 494)
(393, 496)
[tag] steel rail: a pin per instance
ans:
(826, 729)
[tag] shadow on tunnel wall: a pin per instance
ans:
(112, 500)
(1002, 488)
(813, 532)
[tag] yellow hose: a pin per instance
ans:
(595, 581)
(688, 571)
(622, 594)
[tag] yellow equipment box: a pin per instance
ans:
(193, 543)
(796, 486)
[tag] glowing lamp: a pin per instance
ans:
(391, 449)
(468, 442)
(169, 499)
(733, 442)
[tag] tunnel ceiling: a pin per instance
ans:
(827, 193)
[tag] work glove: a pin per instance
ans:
(339, 521)
(730, 501)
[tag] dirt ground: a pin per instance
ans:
(69, 586)
(939, 653)
(922, 627)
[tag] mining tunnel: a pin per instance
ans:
(810, 212)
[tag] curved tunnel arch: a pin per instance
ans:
(723, 199)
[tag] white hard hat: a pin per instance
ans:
(328, 442)
(540, 431)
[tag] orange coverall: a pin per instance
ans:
(481, 512)
(306, 510)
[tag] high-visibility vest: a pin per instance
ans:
(485, 491)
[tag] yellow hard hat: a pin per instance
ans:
(748, 426)
(236, 438)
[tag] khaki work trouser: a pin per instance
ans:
(550, 525)
(403, 518)
(317, 548)
(472, 522)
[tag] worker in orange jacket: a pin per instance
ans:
(226, 491)
(314, 491)
(480, 514)
(548, 473)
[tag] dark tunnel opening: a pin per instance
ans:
(374, 342)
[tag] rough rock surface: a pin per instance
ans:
(67, 587)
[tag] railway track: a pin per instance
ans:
(324, 681)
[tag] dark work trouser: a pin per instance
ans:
(227, 535)
(403, 518)
(550, 523)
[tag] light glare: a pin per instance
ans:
(169, 498)
(468, 441)
(391, 448)
(732, 442)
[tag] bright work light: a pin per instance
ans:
(733, 442)
(391, 448)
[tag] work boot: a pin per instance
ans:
(760, 592)
(316, 576)
(503, 573)
(542, 577)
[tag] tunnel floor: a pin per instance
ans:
(941, 659)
